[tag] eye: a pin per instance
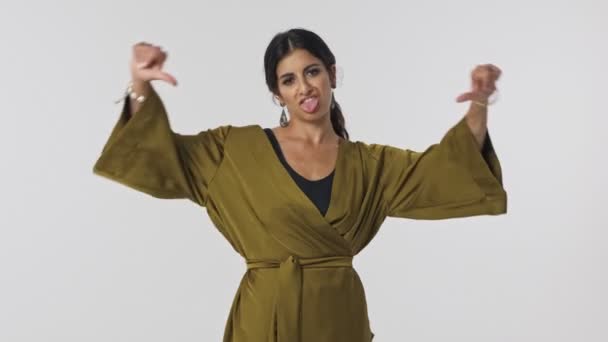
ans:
(314, 71)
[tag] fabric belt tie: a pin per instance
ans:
(288, 299)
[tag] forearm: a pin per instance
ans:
(477, 120)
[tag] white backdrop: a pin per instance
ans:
(86, 259)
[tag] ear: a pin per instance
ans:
(332, 75)
(279, 98)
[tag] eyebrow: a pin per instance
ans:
(308, 67)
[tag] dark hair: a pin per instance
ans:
(285, 42)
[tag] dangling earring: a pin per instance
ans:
(333, 100)
(283, 121)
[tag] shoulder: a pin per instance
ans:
(237, 136)
(382, 153)
(372, 151)
(244, 131)
(230, 131)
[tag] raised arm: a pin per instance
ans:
(144, 153)
(460, 176)
(451, 179)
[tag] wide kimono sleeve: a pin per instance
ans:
(451, 179)
(144, 153)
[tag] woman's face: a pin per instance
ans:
(304, 86)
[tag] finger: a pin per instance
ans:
(490, 83)
(465, 97)
(495, 72)
(147, 62)
(490, 87)
(142, 49)
(486, 75)
(144, 64)
(144, 59)
(162, 58)
(149, 57)
(478, 79)
(477, 84)
(486, 84)
(139, 45)
(167, 78)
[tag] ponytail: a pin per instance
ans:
(337, 120)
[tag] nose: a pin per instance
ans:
(304, 86)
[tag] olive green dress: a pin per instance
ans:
(300, 285)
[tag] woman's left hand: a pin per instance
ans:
(483, 83)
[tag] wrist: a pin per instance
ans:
(139, 86)
(138, 90)
(482, 103)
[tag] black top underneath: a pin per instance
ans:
(318, 191)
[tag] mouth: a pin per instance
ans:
(308, 98)
(310, 104)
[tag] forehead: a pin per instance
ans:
(296, 60)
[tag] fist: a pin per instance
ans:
(483, 83)
(147, 63)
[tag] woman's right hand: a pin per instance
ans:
(147, 63)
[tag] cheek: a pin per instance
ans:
(285, 93)
(290, 96)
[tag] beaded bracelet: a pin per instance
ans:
(479, 103)
(490, 102)
(132, 94)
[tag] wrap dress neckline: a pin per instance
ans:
(318, 190)
(277, 169)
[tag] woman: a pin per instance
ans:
(300, 200)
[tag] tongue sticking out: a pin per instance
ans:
(310, 105)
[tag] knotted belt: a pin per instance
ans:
(288, 298)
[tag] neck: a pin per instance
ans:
(311, 132)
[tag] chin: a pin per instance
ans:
(313, 117)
